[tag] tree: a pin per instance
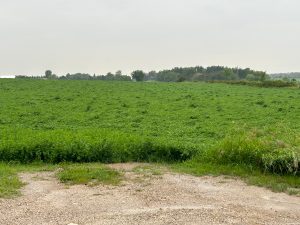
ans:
(125, 78)
(152, 75)
(251, 77)
(161, 75)
(180, 79)
(109, 76)
(53, 77)
(48, 73)
(138, 75)
(188, 72)
(118, 73)
(263, 76)
(171, 76)
(198, 77)
(286, 79)
(228, 74)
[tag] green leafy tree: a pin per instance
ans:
(286, 79)
(48, 73)
(171, 76)
(110, 76)
(161, 75)
(263, 76)
(118, 75)
(138, 75)
(188, 72)
(125, 78)
(251, 77)
(181, 79)
(198, 77)
(152, 75)
(228, 74)
(53, 77)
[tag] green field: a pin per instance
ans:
(54, 121)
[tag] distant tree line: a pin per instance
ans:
(267, 83)
(109, 76)
(177, 74)
(29, 77)
(288, 75)
(81, 76)
(199, 73)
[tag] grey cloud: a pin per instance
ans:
(77, 36)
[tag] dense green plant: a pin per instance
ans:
(138, 75)
(265, 83)
(86, 121)
(92, 174)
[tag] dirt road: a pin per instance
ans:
(145, 198)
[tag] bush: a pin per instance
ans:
(181, 79)
(258, 153)
(266, 83)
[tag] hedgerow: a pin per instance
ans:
(267, 83)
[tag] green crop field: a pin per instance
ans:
(39, 117)
(55, 121)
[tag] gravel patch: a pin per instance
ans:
(168, 198)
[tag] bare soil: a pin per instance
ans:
(145, 198)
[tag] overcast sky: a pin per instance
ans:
(100, 36)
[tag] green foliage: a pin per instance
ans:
(286, 79)
(85, 76)
(251, 77)
(289, 75)
(263, 76)
(180, 79)
(228, 74)
(138, 75)
(48, 73)
(168, 76)
(85, 121)
(53, 77)
(90, 146)
(266, 83)
(151, 76)
(9, 181)
(197, 73)
(92, 174)
(199, 77)
(250, 175)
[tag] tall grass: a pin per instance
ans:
(90, 146)
(259, 149)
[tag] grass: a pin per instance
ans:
(294, 192)
(242, 131)
(9, 179)
(221, 181)
(149, 170)
(95, 173)
(274, 182)
(89, 174)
